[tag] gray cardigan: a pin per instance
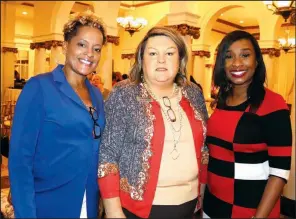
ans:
(125, 146)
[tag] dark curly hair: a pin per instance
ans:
(256, 91)
(80, 19)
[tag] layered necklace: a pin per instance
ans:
(170, 115)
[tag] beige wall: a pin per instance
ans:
(23, 27)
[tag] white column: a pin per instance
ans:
(208, 81)
(107, 67)
(271, 78)
(40, 57)
(188, 40)
(9, 58)
(270, 53)
(31, 63)
(199, 70)
(56, 57)
(128, 62)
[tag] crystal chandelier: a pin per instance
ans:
(283, 8)
(131, 24)
(287, 43)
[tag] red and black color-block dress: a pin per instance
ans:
(245, 149)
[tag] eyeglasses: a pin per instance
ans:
(96, 129)
(170, 112)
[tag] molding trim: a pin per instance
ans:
(46, 45)
(256, 35)
(228, 23)
(113, 39)
(9, 49)
(201, 53)
(185, 29)
(27, 4)
(128, 56)
(271, 52)
(22, 61)
(48, 37)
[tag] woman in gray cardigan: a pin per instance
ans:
(150, 162)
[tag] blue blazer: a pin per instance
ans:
(53, 155)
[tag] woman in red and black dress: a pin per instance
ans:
(249, 136)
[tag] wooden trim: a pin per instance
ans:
(271, 52)
(251, 27)
(230, 24)
(247, 27)
(80, 3)
(9, 49)
(22, 61)
(28, 4)
(201, 53)
(113, 39)
(219, 31)
(128, 56)
(287, 25)
(185, 29)
(256, 35)
(125, 5)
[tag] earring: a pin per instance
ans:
(228, 87)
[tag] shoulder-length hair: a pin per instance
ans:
(136, 71)
(256, 89)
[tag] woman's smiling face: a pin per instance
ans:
(240, 62)
(83, 51)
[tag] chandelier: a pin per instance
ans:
(283, 8)
(131, 24)
(287, 43)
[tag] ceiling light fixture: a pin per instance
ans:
(283, 8)
(287, 43)
(131, 24)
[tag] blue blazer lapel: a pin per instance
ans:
(64, 86)
(93, 96)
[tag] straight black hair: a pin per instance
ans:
(256, 91)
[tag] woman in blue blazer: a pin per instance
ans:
(59, 117)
